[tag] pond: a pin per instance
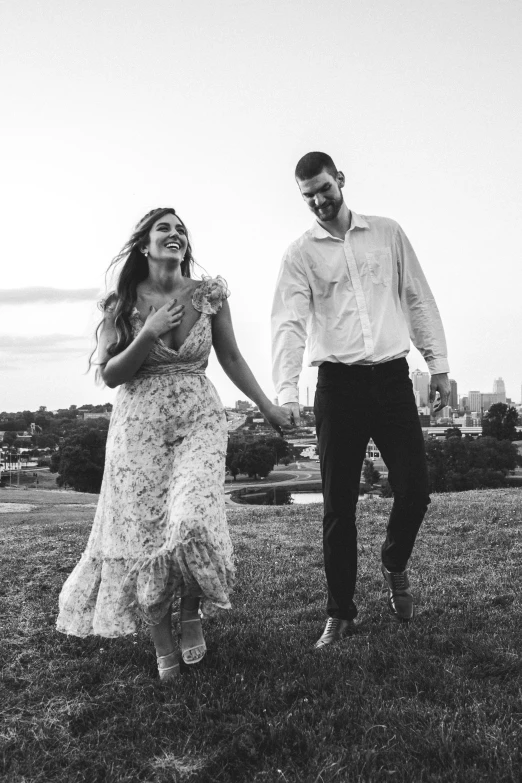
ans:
(275, 496)
(279, 496)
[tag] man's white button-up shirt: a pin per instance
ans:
(359, 300)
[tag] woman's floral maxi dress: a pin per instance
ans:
(160, 528)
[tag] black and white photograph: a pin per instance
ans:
(261, 391)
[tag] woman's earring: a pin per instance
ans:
(145, 252)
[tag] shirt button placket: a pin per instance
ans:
(360, 299)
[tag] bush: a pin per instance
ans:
(81, 460)
(459, 464)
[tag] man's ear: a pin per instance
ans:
(340, 179)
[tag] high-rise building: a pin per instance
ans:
(454, 397)
(475, 401)
(464, 404)
(421, 383)
(491, 399)
(499, 388)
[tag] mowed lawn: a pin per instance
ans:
(439, 700)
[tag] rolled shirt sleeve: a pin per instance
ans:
(290, 314)
(419, 307)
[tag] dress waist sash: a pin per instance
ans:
(170, 369)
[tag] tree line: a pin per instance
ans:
(455, 463)
(50, 427)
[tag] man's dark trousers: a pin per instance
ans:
(354, 403)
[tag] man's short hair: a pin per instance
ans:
(313, 163)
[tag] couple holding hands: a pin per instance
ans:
(352, 286)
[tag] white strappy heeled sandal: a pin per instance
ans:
(168, 666)
(198, 650)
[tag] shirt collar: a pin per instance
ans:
(319, 232)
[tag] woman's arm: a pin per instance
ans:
(121, 368)
(233, 363)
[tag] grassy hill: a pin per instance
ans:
(439, 700)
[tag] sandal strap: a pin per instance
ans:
(196, 647)
(161, 659)
(167, 655)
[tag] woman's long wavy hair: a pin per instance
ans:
(120, 301)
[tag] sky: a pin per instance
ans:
(113, 108)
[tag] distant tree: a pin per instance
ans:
(45, 440)
(66, 413)
(234, 455)
(44, 420)
(81, 460)
(386, 490)
(257, 460)
(28, 418)
(14, 425)
(280, 446)
(457, 464)
(245, 456)
(436, 465)
(370, 474)
(54, 465)
(9, 438)
(453, 432)
(500, 422)
(492, 454)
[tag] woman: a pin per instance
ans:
(160, 529)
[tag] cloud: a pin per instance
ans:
(46, 344)
(16, 296)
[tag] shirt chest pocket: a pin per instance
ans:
(380, 265)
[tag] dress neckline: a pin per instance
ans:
(136, 312)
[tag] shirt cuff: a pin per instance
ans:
(436, 366)
(288, 395)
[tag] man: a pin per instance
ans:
(353, 286)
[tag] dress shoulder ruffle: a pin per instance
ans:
(209, 296)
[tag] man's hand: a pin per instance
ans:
(439, 383)
(295, 414)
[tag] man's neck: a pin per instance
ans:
(340, 225)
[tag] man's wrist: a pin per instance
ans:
(289, 396)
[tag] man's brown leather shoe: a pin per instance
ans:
(334, 630)
(400, 600)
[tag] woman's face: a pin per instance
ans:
(167, 239)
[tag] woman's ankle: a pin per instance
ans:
(189, 608)
(165, 649)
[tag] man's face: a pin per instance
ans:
(323, 194)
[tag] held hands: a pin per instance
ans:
(295, 413)
(166, 318)
(279, 417)
(439, 384)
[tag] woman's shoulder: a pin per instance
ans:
(210, 294)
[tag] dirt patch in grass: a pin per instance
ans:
(439, 700)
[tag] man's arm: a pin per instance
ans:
(423, 317)
(290, 311)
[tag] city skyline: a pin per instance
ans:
(309, 397)
(123, 116)
(420, 380)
